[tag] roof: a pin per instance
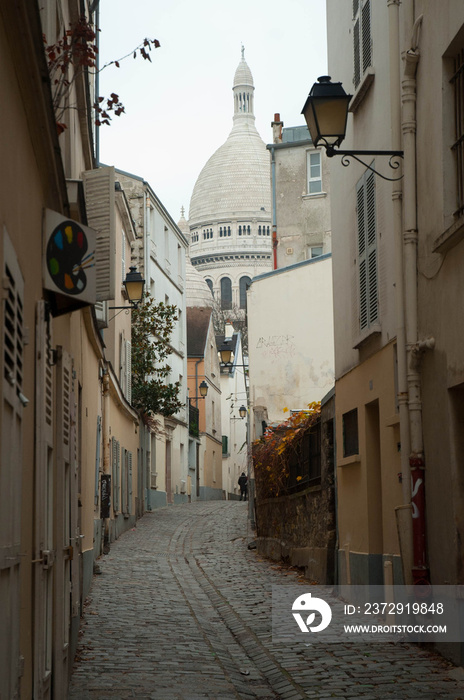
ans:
(198, 319)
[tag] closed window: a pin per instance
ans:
(226, 293)
(367, 252)
(244, 284)
(314, 172)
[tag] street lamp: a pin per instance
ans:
(203, 387)
(134, 285)
(242, 413)
(326, 114)
(226, 354)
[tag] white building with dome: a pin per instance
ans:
(230, 209)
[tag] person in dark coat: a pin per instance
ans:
(243, 483)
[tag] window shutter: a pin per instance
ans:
(366, 35)
(356, 54)
(367, 251)
(129, 479)
(123, 481)
(122, 363)
(97, 459)
(116, 463)
(101, 312)
(44, 505)
(100, 203)
(11, 440)
(128, 387)
(363, 316)
(371, 249)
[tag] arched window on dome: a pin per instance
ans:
(226, 293)
(244, 284)
(228, 230)
(239, 230)
(210, 285)
(249, 230)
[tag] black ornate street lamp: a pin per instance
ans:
(134, 284)
(203, 387)
(326, 114)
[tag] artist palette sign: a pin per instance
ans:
(69, 258)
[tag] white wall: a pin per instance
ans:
(290, 329)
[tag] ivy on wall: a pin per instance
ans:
(280, 445)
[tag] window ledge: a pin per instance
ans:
(366, 335)
(314, 195)
(449, 238)
(363, 89)
(393, 420)
(347, 461)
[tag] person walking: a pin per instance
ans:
(243, 483)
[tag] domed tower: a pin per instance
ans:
(230, 208)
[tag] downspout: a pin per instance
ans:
(274, 216)
(403, 512)
(277, 125)
(414, 348)
(196, 380)
(106, 449)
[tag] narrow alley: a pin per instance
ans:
(182, 610)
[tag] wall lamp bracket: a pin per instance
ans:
(394, 159)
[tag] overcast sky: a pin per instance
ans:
(179, 108)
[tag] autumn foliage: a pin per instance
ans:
(277, 448)
(73, 54)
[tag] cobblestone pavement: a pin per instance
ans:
(182, 610)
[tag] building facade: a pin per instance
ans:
(397, 248)
(159, 252)
(300, 178)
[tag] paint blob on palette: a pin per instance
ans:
(67, 257)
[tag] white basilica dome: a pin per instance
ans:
(230, 209)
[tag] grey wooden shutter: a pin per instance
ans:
(129, 481)
(366, 35)
(11, 467)
(128, 386)
(100, 205)
(367, 252)
(115, 480)
(97, 460)
(356, 54)
(44, 505)
(371, 250)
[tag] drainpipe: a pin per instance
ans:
(274, 218)
(403, 512)
(414, 348)
(106, 449)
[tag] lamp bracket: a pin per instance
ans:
(394, 161)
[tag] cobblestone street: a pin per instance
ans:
(182, 609)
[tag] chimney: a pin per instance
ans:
(277, 129)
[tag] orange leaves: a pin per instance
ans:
(278, 448)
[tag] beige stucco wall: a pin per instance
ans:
(290, 327)
(441, 289)
(368, 486)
